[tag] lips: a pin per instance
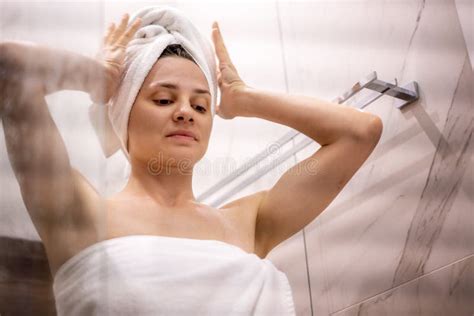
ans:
(183, 133)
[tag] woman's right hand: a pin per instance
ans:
(111, 57)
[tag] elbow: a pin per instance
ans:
(12, 75)
(373, 129)
(4, 49)
(7, 53)
(14, 54)
(10, 52)
(5, 60)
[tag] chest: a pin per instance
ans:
(231, 225)
(234, 225)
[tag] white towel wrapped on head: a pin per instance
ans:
(161, 26)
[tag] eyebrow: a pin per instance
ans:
(170, 85)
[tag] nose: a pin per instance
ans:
(183, 112)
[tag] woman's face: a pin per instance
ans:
(160, 110)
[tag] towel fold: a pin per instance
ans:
(161, 26)
(158, 275)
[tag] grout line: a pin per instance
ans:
(404, 283)
(282, 46)
(283, 58)
(307, 272)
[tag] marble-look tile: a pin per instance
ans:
(446, 291)
(357, 238)
(296, 269)
(465, 9)
(407, 211)
(452, 161)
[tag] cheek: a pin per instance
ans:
(145, 126)
(148, 117)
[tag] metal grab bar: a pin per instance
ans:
(403, 95)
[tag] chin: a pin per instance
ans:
(182, 154)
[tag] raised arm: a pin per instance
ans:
(52, 69)
(53, 192)
(49, 185)
(347, 137)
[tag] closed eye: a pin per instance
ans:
(202, 109)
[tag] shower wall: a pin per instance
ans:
(398, 240)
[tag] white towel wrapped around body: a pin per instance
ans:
(158, 275)
(161, 26)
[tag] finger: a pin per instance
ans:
(221, 50)
(109, 33)
(123, 24)
(127, 36)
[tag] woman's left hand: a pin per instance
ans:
(229, 81)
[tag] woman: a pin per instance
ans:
(70, 215)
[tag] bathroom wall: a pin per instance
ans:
(398, 239)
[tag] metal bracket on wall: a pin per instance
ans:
(403, 96)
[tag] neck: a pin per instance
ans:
(169, 186)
